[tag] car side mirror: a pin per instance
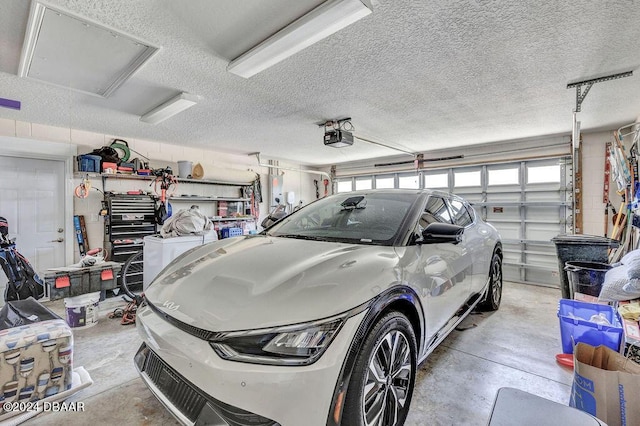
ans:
(441, 233)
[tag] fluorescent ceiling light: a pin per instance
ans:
(170, 108)
(70, 51)
(326, 19)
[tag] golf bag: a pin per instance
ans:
(23, 280)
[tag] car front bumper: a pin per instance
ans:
(199, 387)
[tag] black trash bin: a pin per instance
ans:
(580, 248)
(586, 277)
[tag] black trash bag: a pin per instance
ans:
(17, 313)
(108, 154)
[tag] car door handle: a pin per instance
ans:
(59, 240)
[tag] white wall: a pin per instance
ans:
(161, 155)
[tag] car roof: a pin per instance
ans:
(401, 191)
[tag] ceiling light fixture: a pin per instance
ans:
(326, 19)
(170, 108)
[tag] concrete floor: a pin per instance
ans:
(514, 347)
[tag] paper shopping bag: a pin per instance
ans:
(606, 385)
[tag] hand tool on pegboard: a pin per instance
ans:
(605, 187)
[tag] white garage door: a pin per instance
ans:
(527, 201)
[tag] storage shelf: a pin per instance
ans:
(212, 199)
(150, 178)
(232, 219)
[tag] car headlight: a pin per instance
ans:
(300, 344)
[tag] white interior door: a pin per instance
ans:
(32, 201)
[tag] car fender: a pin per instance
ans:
(399, 293)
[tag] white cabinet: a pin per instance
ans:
(158, 252)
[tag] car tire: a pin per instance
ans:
(383, 378)
(493, 297)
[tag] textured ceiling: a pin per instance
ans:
(422, 75)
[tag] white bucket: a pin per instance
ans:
(184, 169)
(82, 311)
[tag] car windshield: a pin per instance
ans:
(363, 218)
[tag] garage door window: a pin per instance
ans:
(345, 185)
(504, 176)
(440, 180)
(363, 183)
(408, 182)
(543, 174)
(462, 179)
(384, 182)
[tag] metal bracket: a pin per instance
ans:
(337, 122)
(580, 97)
(588, 83)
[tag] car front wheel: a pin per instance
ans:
(382, 382)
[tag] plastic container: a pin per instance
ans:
(109, 167)
(575, 325)
(89, 163)
(586, 277)
(82, 311)
(184, 169)
(230, 232)
(72, 281)
(580, 248)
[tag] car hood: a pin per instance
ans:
(262, 281)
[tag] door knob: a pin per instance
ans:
(59, 240)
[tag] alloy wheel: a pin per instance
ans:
(389, 374)
(496, 282)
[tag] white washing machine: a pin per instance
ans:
(158, 252)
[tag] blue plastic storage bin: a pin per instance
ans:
(89, 163)
(575, 325)
(230, 232)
